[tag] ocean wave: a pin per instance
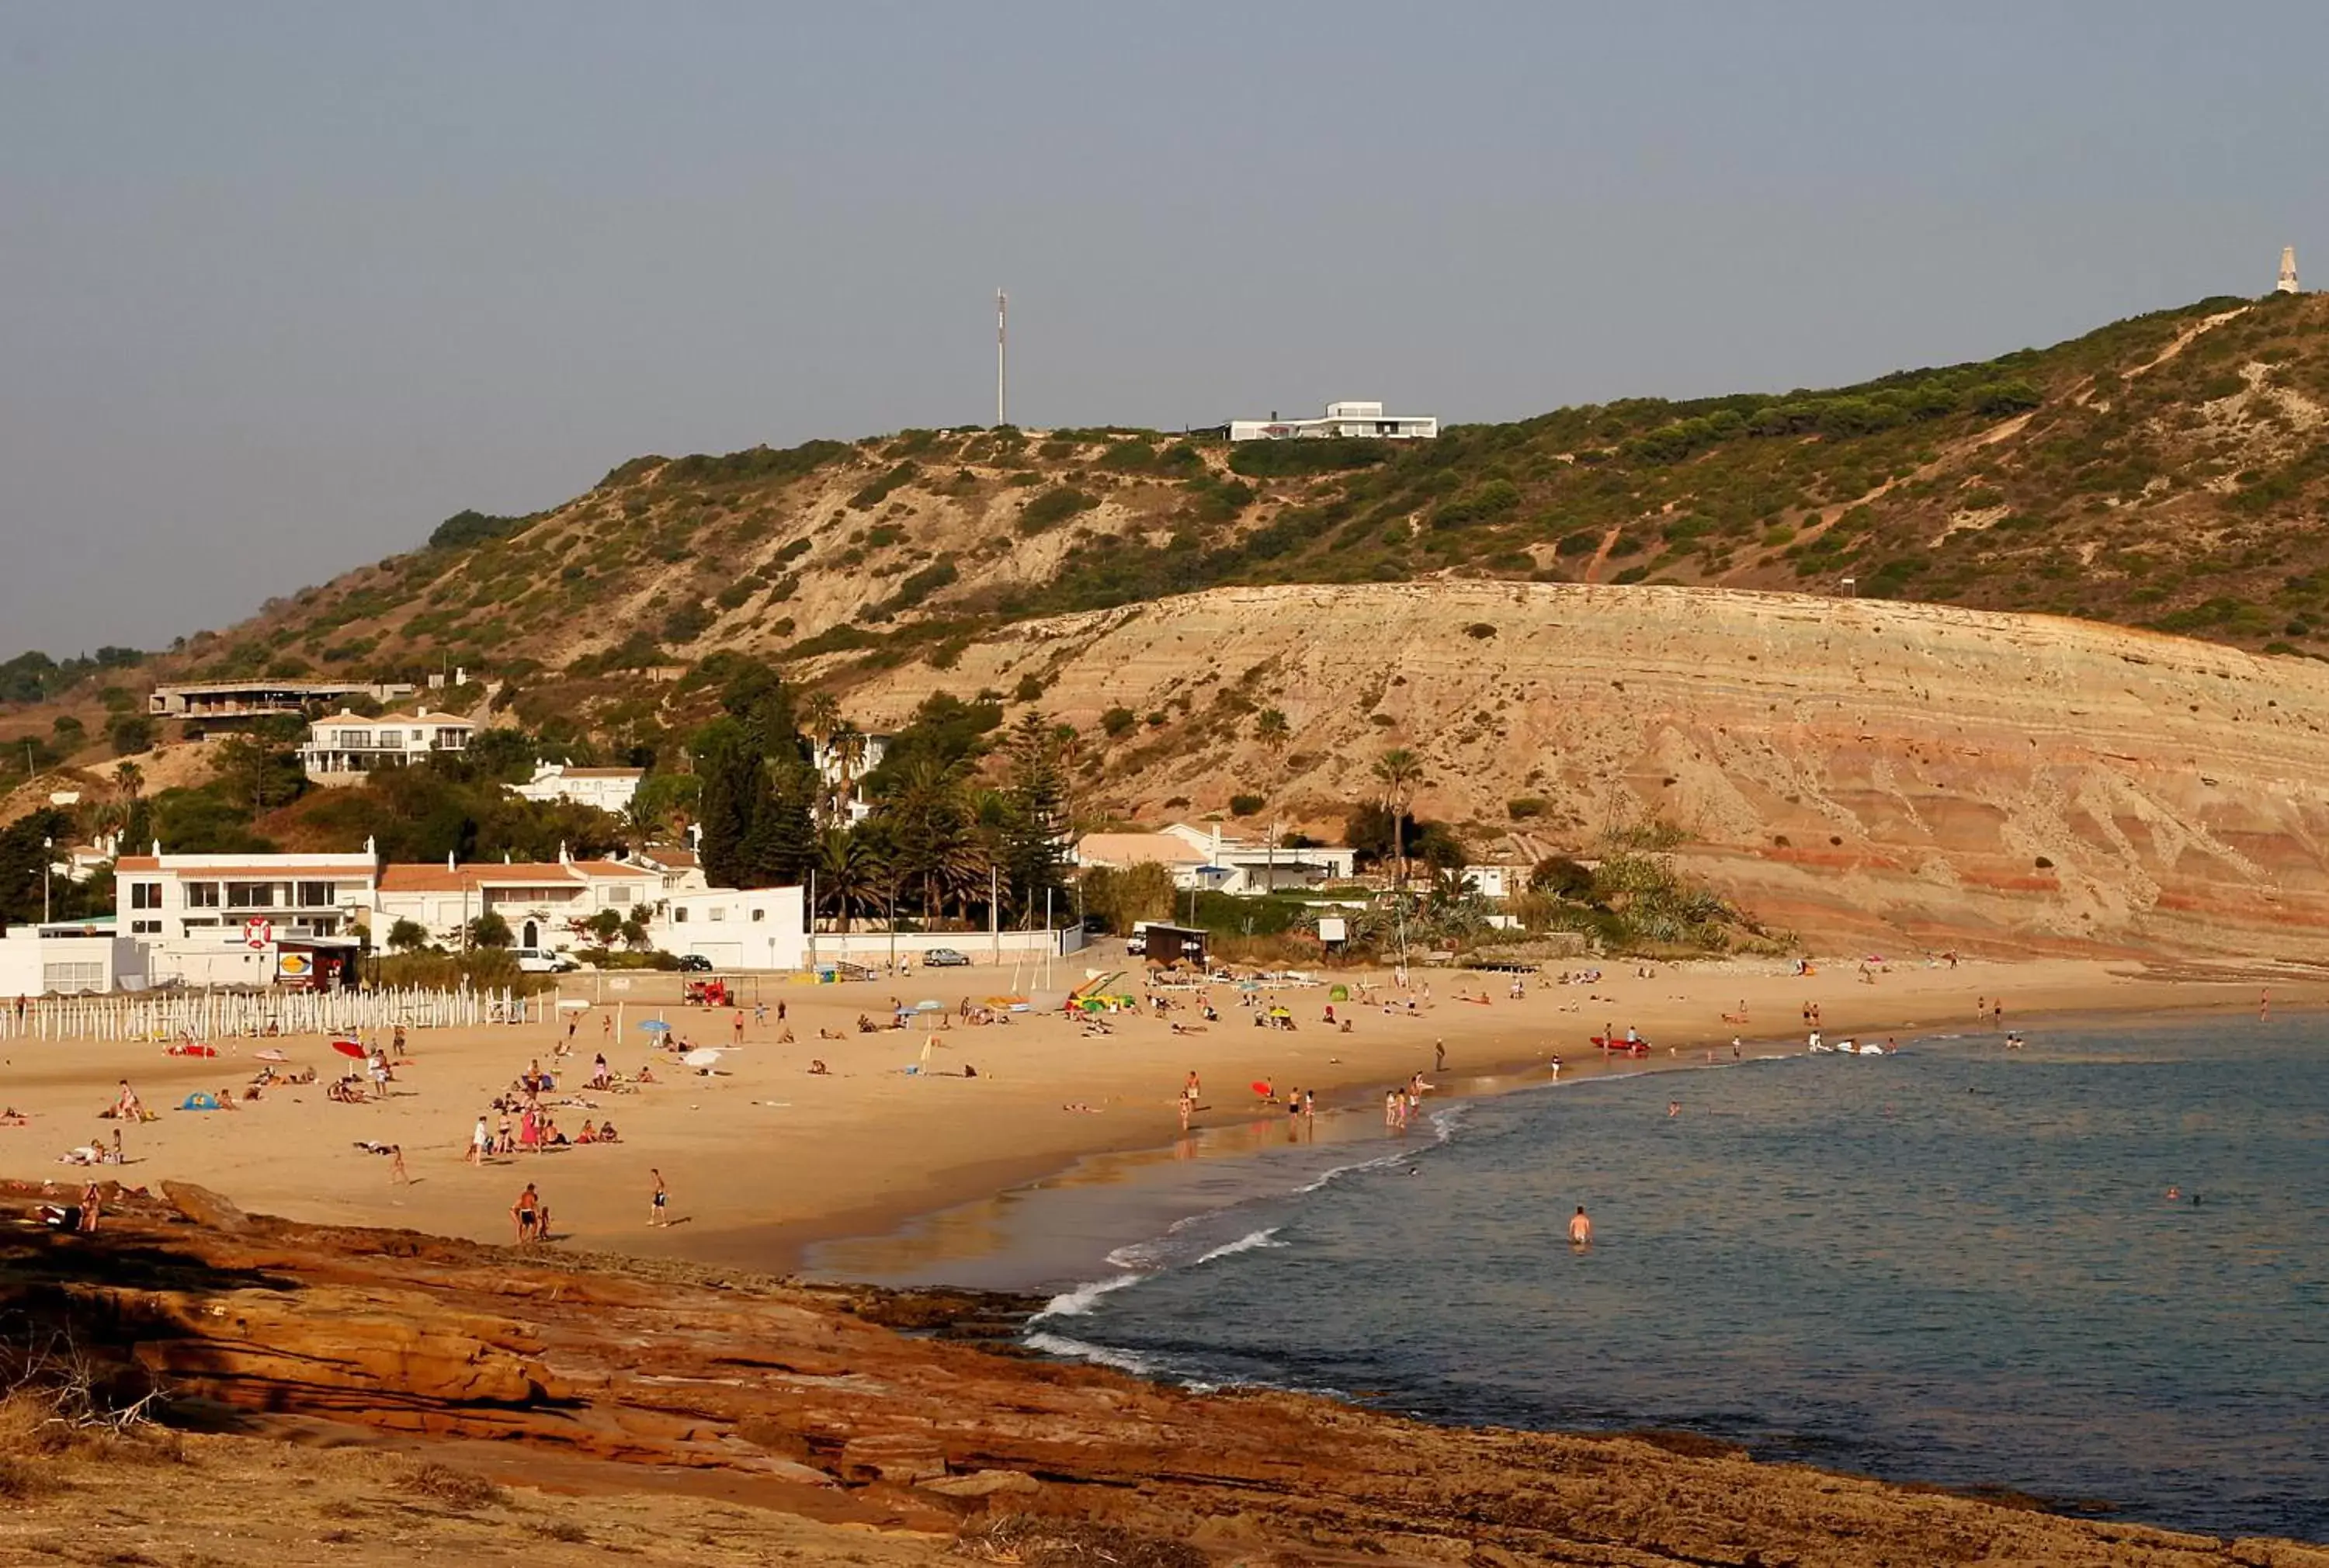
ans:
(1081, 1301)
(1080, 1350)
(1244, 1244)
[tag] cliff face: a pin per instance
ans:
(608, 1377)
(1846, 767)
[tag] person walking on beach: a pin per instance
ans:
(1580, 1229)
(1439, 1055)
(481, 1141)
(740, 1026)
(396, 1171)
(659, 1211)
(525, 1215)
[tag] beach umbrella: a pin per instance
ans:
(655, 1027)
(1338, 993)
(929, 1005)
(350, 1048)
(702, 1057)
(1279, 1012)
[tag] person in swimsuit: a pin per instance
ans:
(659, 1214)
(1580, 1229)
(525, 1213)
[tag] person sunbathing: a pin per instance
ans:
(647, 1073)
(817, 1069)
(589, 1134)
(606, 1134)
(11, 1117)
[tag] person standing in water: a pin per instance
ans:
(1580, 1229)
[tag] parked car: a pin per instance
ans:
(1137, 944)
(943, 958)
(542, 961)
(695, 963)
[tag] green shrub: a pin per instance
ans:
(1280, 459)
(1117, 722)
(1526, 807)
(1054, 507)
(1584, 541)
(1245, 805)
(878, 491)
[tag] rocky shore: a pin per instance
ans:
(864, 1417)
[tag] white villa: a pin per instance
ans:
(610, 789)
(347, 746)
(243, 919)
(1347, 419)
(1207, 859)
(832, 765)
(540, 900)
(759, 928)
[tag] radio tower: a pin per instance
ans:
(2287, 283)
(1001, 361)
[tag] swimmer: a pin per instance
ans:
(1673, 1109)
(1580, 1229)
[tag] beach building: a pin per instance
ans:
(542, 902)
(610, 789)
(345, 748)
(759, 928)
(1346, 421)
(245, 919)
(1252, 865)
(231, 702)
(69, 958)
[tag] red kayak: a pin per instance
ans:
(1630, 1048)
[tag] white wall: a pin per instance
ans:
(873, 947)
(29, 962)
(759, 928)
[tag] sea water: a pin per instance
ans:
(1958, 1264)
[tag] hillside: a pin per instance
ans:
(1903, 772)
(1509, 602)
(2164, 471)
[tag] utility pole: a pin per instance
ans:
(1002, 363)
(48, 854)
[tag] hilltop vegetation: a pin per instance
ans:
(2167, 471)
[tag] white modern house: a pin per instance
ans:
(759, 928)
(345, 748)
(540, 900)
(1254, 866)
(681, 868)
(851, 756)
(244, 919)
(610, 789)
(1346, 419)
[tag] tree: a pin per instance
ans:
(849, 874)
(1271, 730)
(605, 925)
(1029, 848)
(130, 780)
(256, 776)
(781, 845)
(1401, 773)
(502, 753)
(489, 930)
(1134, 893)
(406, 935)
(927, 825)
(666, 804)
(820, 717)
(635, 932)
(735, 780)
(129, 733)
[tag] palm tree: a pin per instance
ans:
(846, 746)
(1401, 773)
(925, 821)
(130, 779)
(849, 877)
(1270, 729)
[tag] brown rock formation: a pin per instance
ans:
(641, 1376)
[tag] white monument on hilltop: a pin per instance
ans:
(2287, 283)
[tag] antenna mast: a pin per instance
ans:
(1002, 363)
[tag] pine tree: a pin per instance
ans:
(735, 782)
(1030, 850)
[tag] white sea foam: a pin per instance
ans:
(1078, 1351)
(1077, 1302)
(1244, 1244)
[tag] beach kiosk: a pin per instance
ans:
(1170, 944)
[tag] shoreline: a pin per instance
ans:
(1001, 1178)
(767, 1160)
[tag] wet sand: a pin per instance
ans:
(763, 1158)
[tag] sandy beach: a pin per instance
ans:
(763, 1156)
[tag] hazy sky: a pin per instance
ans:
(282, 285)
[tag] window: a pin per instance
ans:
(719, 911)
(760, 914)
(619, 895)
(144, 928)
(416, 735)
(679, 917)
(199, 894)
(355, 740)
(144, 895)
(250, 895)
(72, 977)
(314, 894)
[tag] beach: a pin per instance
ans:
(763, 1158)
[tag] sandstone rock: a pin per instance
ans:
(904, 1458)
(204, 1206)
(983, 1484)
